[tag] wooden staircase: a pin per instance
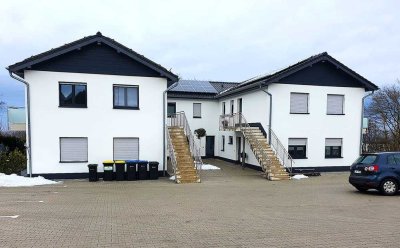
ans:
(186, 171)
(265, 155)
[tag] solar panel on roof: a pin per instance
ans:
(194, 86)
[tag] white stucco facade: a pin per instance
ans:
(209, 118)
(315, 126)
(99, 122)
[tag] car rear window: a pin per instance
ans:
(366, 159)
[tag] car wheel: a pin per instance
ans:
(361, 189)
(389, 187)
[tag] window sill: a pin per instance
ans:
(196, 117)
(332, 157)
(72, 106)
(335, 114)
(70, 162)
(128, 108)
(300, 158)
(299, 113)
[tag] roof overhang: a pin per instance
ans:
(19, 67)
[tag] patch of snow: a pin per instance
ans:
(14, 180)
(209, 167)
(172, 178)
(300, 176)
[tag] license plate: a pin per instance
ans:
(357, 171)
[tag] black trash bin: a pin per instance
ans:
(120, 170)
(108, 170)
(142, 169)
(93, 176)
(131, 170)
(153, 170)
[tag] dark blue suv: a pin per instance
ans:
(379, 171)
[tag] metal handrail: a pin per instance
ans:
(179, 120)
(281, 152)
(172, 155)
(237, 121)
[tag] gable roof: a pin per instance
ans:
(19, 67)
(276, 76)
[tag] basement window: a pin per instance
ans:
(298, 148)
(72, 95)
(230, 140)
(223, 143)
(333, 148)
(73, 149)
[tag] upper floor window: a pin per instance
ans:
(126, 97)
(223, 108)
(196, 110)
(232, 106)
(299, 103)
(335, 105)
(298, 148)
(333, 148)
(73, 95)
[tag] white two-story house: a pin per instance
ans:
(94, 99)
(89, 101)
(312, 108)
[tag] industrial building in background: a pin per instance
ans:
(16, 117)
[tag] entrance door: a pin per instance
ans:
(210, 142)
(238, 148)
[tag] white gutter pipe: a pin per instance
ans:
(28, 122)
(164, 124)
(362, 120)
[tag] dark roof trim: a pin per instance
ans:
(76, 45)
(275, 77)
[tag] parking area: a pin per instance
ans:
(230, 208)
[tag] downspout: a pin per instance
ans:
(28, 112)
(270, 113)
(164, 125)
(362, 120)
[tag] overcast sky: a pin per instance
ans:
(211, 40)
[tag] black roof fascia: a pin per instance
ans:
(275, 77)
(17, 67)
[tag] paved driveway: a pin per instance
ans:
(231, 208)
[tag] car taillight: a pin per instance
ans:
(372, 168)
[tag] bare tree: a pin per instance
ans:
(384, 114)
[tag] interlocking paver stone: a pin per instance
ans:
(230, 208)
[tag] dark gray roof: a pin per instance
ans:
(274, 77)
(221, 86)
(198, 89)
(98, 37)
